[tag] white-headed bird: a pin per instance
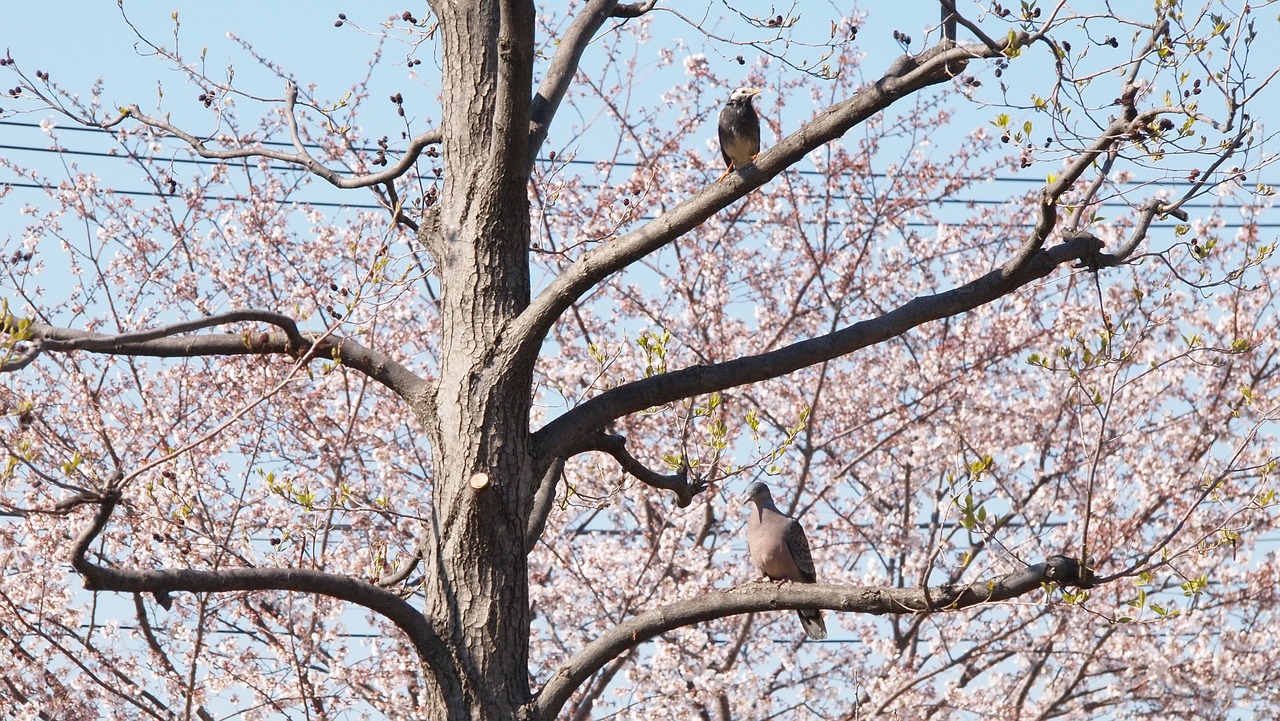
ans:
(739, 130)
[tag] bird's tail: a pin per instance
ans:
(813, 624)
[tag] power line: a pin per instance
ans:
(644, 218)
(569, 161)
(211, 198)
(133, 156)
(130, 156)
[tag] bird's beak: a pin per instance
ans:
(755, 91)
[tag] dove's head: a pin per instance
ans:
(757, 493)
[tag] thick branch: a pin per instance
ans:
(69, 340)
(168, 342)
(766, 596)
(524, 337)
(678, 482)
(634, 10)
(300, 156)
(515, 76)
(565, 64)
(569, 430)
(542, 500)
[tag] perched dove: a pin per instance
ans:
(780, 550)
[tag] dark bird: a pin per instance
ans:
(780, 550)
(739, 130)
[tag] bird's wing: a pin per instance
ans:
(726, 136)
(739, 130)
(799, 546)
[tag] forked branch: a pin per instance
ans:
(162, 583)
(300, 156)
(1030, 262)
(678, 482)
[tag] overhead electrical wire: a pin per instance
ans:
(107, 155)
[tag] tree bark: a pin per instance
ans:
(478, 419)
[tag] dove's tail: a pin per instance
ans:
(813, 625)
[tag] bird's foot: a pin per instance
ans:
(726, 173)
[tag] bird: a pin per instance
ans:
(780, 550)
(739, 130)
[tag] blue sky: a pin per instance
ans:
(95, 42)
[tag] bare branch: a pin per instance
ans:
(397, 577)
(585, 704)
(1203, 179)
(300, 156)
(1047, 213)
(678, 482)
(513, 107)
(394, 203)
(764, 596)
(634, 10)
(1091, 193)
(168, 342)
(101, 343)
(1150, 210)
(951, 16)
(16, 361)
(144, 623)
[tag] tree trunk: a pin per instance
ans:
(478, 425)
